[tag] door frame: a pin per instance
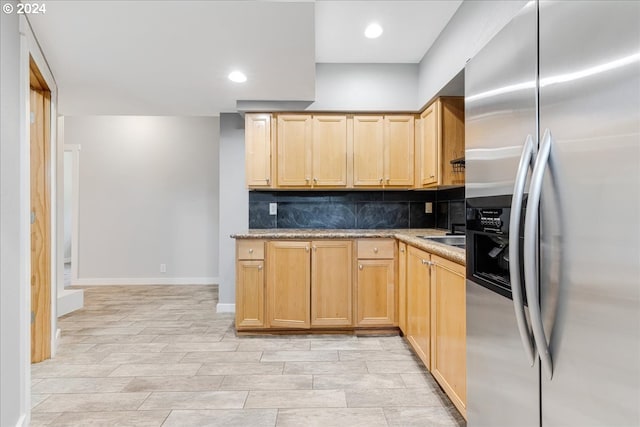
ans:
(74, 149)
(30, 49)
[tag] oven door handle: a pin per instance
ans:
(514, 248)
(531, 263)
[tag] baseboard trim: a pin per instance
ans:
(69, 300)
(225, 308)
(96, 281)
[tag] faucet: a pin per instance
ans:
(457, 229)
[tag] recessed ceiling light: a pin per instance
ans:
(373, 31)
(237, 76)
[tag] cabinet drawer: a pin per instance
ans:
(250, 249)
(376, 249)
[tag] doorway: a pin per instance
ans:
(40, 197)
(71, 165)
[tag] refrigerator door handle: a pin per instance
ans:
(514, 248)
(530, 251)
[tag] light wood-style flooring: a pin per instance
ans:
(161, 356)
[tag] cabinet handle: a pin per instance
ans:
(250, 251)
(375, 250)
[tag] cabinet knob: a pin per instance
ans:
(381, 180)
(388, 179)
(306, 248)
(251, 251)
(424, 261)
(315, 248)
(267, 180)
(401, 249)
(360, 267)
(259, 267)
(432, 176)
(375, 250)
(307, 179)
(315, 179)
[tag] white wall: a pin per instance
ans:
(68, 194)
(470, 28)
(366, 87)
(13, 359)
(148, 195)
(234, 203)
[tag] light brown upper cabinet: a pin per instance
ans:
(440, 140)
(329, 152)
(258, 162)
(399, 146)
(294, 135)
(383, 150)
(312, 151)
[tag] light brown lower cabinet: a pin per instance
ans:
(375, 283)
(402, 286)
(331, 271)
(436, 320)
(419, 303)
(309, 283)
(250, 284)
(288, 284)
(448, 329)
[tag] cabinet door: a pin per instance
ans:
(294, 150)
(329, 151)
(418, 303)
(448, 329)
(402, 287)
(331, 263)
(250, 294)
(429, 146)
(368, 151)
(288, 284)
(258, 150)
(375, 293)
(399, 145)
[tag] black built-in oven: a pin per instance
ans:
(488, 243)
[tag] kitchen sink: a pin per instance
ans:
(457, 241)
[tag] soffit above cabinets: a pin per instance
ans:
(173, 57)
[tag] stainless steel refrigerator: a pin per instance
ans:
(553, 218)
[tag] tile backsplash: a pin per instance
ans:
(355, 209)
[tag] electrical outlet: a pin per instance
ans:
(428, 207)
(163, 268)
(273, 209)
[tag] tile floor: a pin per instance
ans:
(160, 356)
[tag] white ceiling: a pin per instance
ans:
(410, 28)
(172, 57)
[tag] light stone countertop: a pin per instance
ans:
(409, 235)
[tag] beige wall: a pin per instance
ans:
(148, 196)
